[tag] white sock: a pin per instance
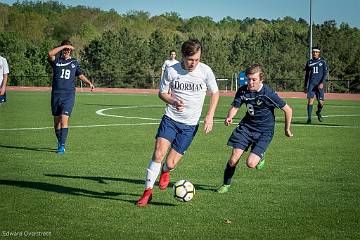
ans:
(152, 172)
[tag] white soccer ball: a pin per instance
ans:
(184, 190)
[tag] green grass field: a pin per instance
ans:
(309, 189)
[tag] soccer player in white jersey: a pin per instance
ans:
(4, 71)
(169, 62)
(183, 88)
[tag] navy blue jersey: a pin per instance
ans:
(260, 107)
(316, 71)
(64, 74)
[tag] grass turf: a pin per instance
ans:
(309, 188)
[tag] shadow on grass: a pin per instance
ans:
(37, 149)
(314, 123)
(103, 180)
(49, 187)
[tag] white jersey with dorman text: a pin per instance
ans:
(4, 69)
(191, 87)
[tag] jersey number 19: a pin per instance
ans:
(65, 73)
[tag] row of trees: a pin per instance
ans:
(127, 50)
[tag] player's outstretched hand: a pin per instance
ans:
(288, 133)
(92, 87)
(208, 124)
(228, 121)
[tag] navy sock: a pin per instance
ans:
(309, 110)
(228, 174)
(319, 107)
(58, 134)
(64, 133)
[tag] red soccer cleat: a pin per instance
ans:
(164, 180)
(145, 198)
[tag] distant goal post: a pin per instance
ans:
(228, 84)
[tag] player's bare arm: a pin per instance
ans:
(52, 53)
(288, 116)
(87, 81)
(168, 98)
(209, 119)
(231, 114)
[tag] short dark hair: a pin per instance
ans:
(172, 50)
(254, 69)
(190, 47)
(65, 42)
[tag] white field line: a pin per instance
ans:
(101, 113)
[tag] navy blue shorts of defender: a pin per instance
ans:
(179, 135)
(316, 91)
(62, 103)
(243, 138)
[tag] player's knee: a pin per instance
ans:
(252, 163)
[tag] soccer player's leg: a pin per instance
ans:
(172, 159)
(164, 137)
(240, 142)
(56, 112)
(256, 157)
(67, 105)
(310, 102)
(152, 172)
(179, 145)
(230, 170)
(320, 98)
(57, 129)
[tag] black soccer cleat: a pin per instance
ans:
(320, 118)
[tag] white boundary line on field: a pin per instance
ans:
(101, 113)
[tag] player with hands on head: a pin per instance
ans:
(183, 88)
(256, 129)
(65, 70)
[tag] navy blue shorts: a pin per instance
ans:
(243, 138)
(178, 134)
(3, 98)
(62, 103)
(316, 91)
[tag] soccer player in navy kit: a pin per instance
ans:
(256, 128)
(315, 77)
(183, 88)
(65, 71)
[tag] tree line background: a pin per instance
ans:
(128, 50)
